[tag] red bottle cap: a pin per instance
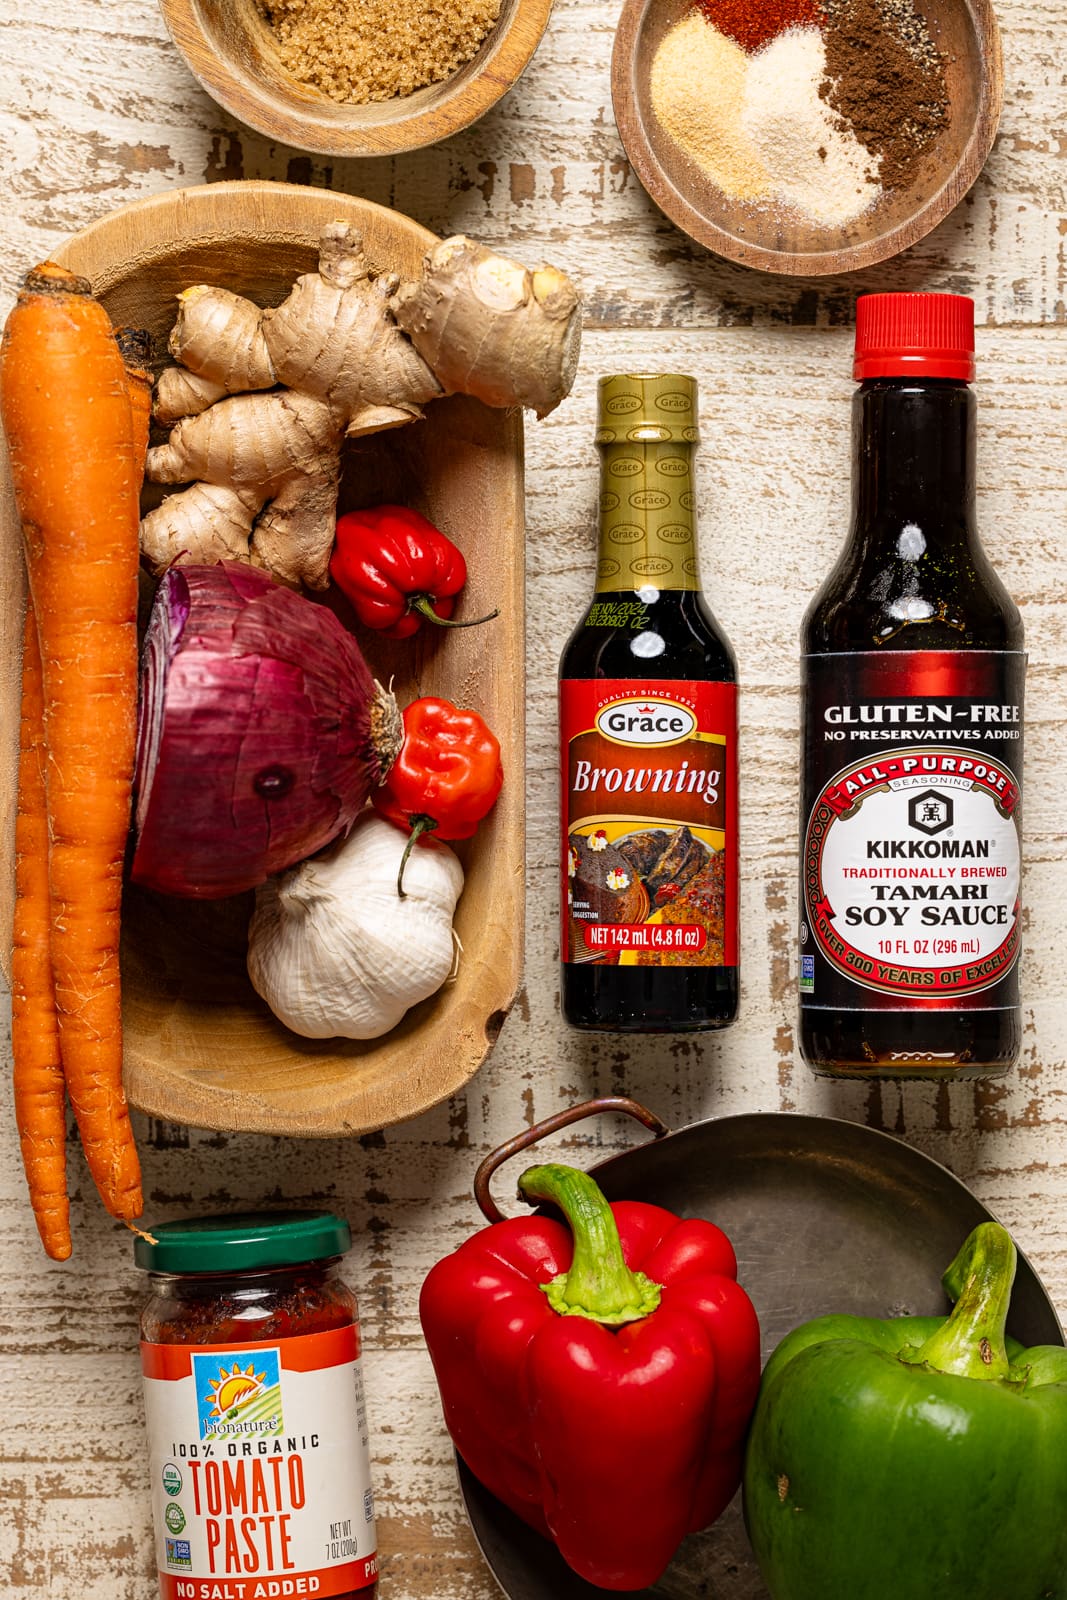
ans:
(915, 336)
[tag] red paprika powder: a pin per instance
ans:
(754, 23)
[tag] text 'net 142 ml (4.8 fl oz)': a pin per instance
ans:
(913, 673)
(648, 726)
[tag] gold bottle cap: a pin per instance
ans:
(647, 408)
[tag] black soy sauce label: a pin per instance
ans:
(911, 816)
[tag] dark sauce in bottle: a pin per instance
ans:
(912, 737)
(648, 748)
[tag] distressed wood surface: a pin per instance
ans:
(101, 110)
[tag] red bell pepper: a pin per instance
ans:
(447, 776)
(397, 568)
(598, 1380)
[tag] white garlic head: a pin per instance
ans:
(333, 948)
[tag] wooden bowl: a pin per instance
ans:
(965, 30)
(200, 1046)
(229, 47)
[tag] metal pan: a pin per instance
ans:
(824, 1216)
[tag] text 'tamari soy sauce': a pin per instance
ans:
(648, 724)
(913, 734)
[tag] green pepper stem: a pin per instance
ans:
(971, 1343)
(423, 604)
(419, 826)
(599, 1285)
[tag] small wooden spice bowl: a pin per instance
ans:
(200, 1046)
(760, 235)
(228, 46)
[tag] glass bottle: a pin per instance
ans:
(648, 720)
(912, 734)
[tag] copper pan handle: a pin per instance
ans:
(541, 1130)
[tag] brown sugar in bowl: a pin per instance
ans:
(229, 47)
(200, 1047)
(760, 235)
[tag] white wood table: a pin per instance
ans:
(99, 109)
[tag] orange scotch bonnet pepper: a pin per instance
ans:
(446, 777)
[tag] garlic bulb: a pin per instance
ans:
(334, 950)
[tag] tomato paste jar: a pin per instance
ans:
(257, 1432)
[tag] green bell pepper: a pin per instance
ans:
(914, 1459)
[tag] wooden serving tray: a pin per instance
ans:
(200, 1046)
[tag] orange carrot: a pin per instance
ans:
(40, 1100)
(66, 412)
(135, 346)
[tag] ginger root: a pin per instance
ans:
(489, 327)
(262, 400)
(182, 394)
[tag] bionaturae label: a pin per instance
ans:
(260, 1468)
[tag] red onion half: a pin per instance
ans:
(260, 733)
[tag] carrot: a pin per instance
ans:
(135, 347)
(66, 413)
(40, 1100)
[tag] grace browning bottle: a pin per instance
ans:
(648, 724)
(913, 671)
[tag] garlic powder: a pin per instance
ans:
(814, 162)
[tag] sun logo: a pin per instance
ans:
(234, 1389)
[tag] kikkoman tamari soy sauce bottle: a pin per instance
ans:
(648, 722)
(912, 734)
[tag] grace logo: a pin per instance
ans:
(646, 722)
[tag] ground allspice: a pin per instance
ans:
(754, 23)
(887, 81)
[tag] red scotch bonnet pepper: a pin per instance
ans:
(397, 569)
(598, 1379)
(445, 779)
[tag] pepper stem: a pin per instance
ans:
(971, 1342)
(599, 1285)
(419, 825)
(423, 604)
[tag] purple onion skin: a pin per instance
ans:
(254, 743)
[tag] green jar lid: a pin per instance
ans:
(243, 1241)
